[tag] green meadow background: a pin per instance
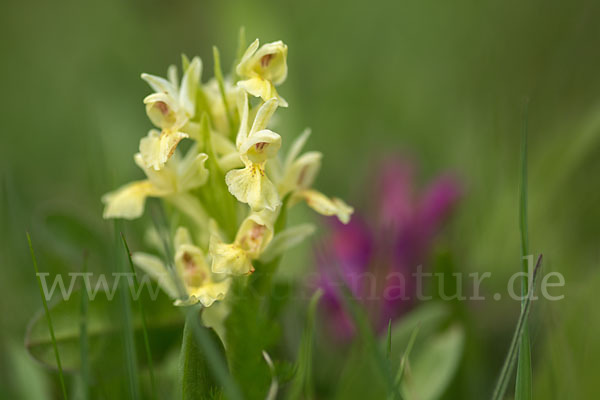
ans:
(443, 81)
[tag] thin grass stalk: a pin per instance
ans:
(49, 320)
(511, 356)
(143, 318)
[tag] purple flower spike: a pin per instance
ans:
(375, 257)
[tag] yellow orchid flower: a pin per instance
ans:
(250, 184)
(263, 69)
(252, 238)
(199, 283)
(170, 108)
(299, 173)
(179, 176)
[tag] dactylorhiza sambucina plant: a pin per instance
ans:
(227, 189)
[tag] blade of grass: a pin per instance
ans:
(388, 349)
(127, 325)
(367, 335)
(404, 360)
(511, 356)
(523, 389)
(221, 83)
(83, 336)
(143, 317)
(48, 319)
(241, 48)
(302, 379)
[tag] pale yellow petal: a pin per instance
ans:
(326, 206)
(156, 149)
(160, 85)
(301, 173)
(128, 201)
(261, 146)
(211, 292)
(161, 108)
(189, 87)
(156, 269)
(229, 258)
(251, 185)
(254, 235)
(263, 116)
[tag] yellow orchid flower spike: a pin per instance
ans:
(263, 69)
(170, 108)
(193, 272)
(250, 184)
(179, 176)
(252, 238)
(299, 173)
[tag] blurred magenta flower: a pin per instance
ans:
(378, 251)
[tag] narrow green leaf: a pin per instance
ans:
(197, 380)
(523, 389)
(48, 320)
(301, 385)
(511, 356)
(406, 355)
(203, 367)
(83, 338)
(127, 327)
(241, 48)
(215, 195)
(143, 319)
(366, 333)
(221, 83)
(388, 348)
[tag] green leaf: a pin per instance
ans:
(198, 380)
(49, 328)
(164, 328)
(302, 382)
(249, 332)
(523, 381)
(216, 197)
(434, 366)
(221, 83)
(142, 314)
(511, 356)
(405, 357)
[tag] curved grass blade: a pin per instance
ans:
(127, 328)
(511, 356)
(366, 333)
(302, 379)
(48, 319)
(523, 390)
(143, 317)
(221, 83)
(83, 338)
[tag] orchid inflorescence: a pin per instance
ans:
(232, 156)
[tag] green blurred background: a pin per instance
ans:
(444, 81)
